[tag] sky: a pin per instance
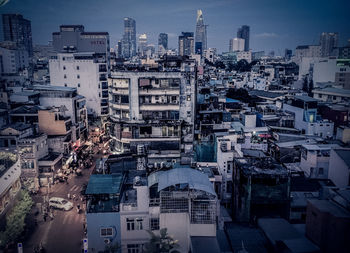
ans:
(274, 24)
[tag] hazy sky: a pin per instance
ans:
(275, 24)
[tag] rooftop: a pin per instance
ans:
(53, 88)
(17, 126)
(344, 154)
(183, 176)
(104, 184)
(261, 166)
(279, 230)
(306, 98)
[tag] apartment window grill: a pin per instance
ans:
(174, 202)
(203, 211)
(154, 223)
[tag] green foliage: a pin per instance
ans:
(162, 243)
(15, 219)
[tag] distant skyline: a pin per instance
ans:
(274, 24)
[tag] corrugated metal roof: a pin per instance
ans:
(104, 184)
(194, 178)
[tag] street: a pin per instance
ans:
(63, 233)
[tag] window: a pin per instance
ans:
(106, 232)
(134, 248)
(78, 84)
(65, 85)
(64, 67)
(134, 224)
(320, 171)
(78, 76)
(139, 225)
(130, 224)
(154, 223)
(188, 97)
(77, 67)
(65, 76)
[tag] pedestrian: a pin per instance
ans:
(51, 215)
(45, 216)
(74, 197)
(68, 195)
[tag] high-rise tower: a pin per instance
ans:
(201, 34)
(328, 42)
(243, 33)
(129, 38)
(18, 30)
(186, 43)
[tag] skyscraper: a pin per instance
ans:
(186, 43)
(243, 33)
(328, 42)
(162, 42)
(201, 34)
(129, 38)
(18, 30)
(142, 44)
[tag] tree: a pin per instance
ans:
(15, 220)
(220, 65)
(162, 243)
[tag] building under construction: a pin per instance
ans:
(261, 189)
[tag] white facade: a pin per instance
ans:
(339, 170)
(210, 54)
(315, 160)
(13, 60)
(244, 55)
(236, 44)
(139, 213)
(87, 74)
(324, 70)
(310, 126)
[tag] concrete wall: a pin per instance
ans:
(88, 84)
(96, 221)
(178, 227)
(338, 172)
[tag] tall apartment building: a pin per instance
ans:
(236, 44)
(129, 38)
(154, 109)
(87, 72)
(13, 58)
(244, 33)
(201, 34)
(186, 43)
(142, 44)
(328, 42)
(162, 43)
(18, 30)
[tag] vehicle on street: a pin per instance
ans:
(60, 203)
